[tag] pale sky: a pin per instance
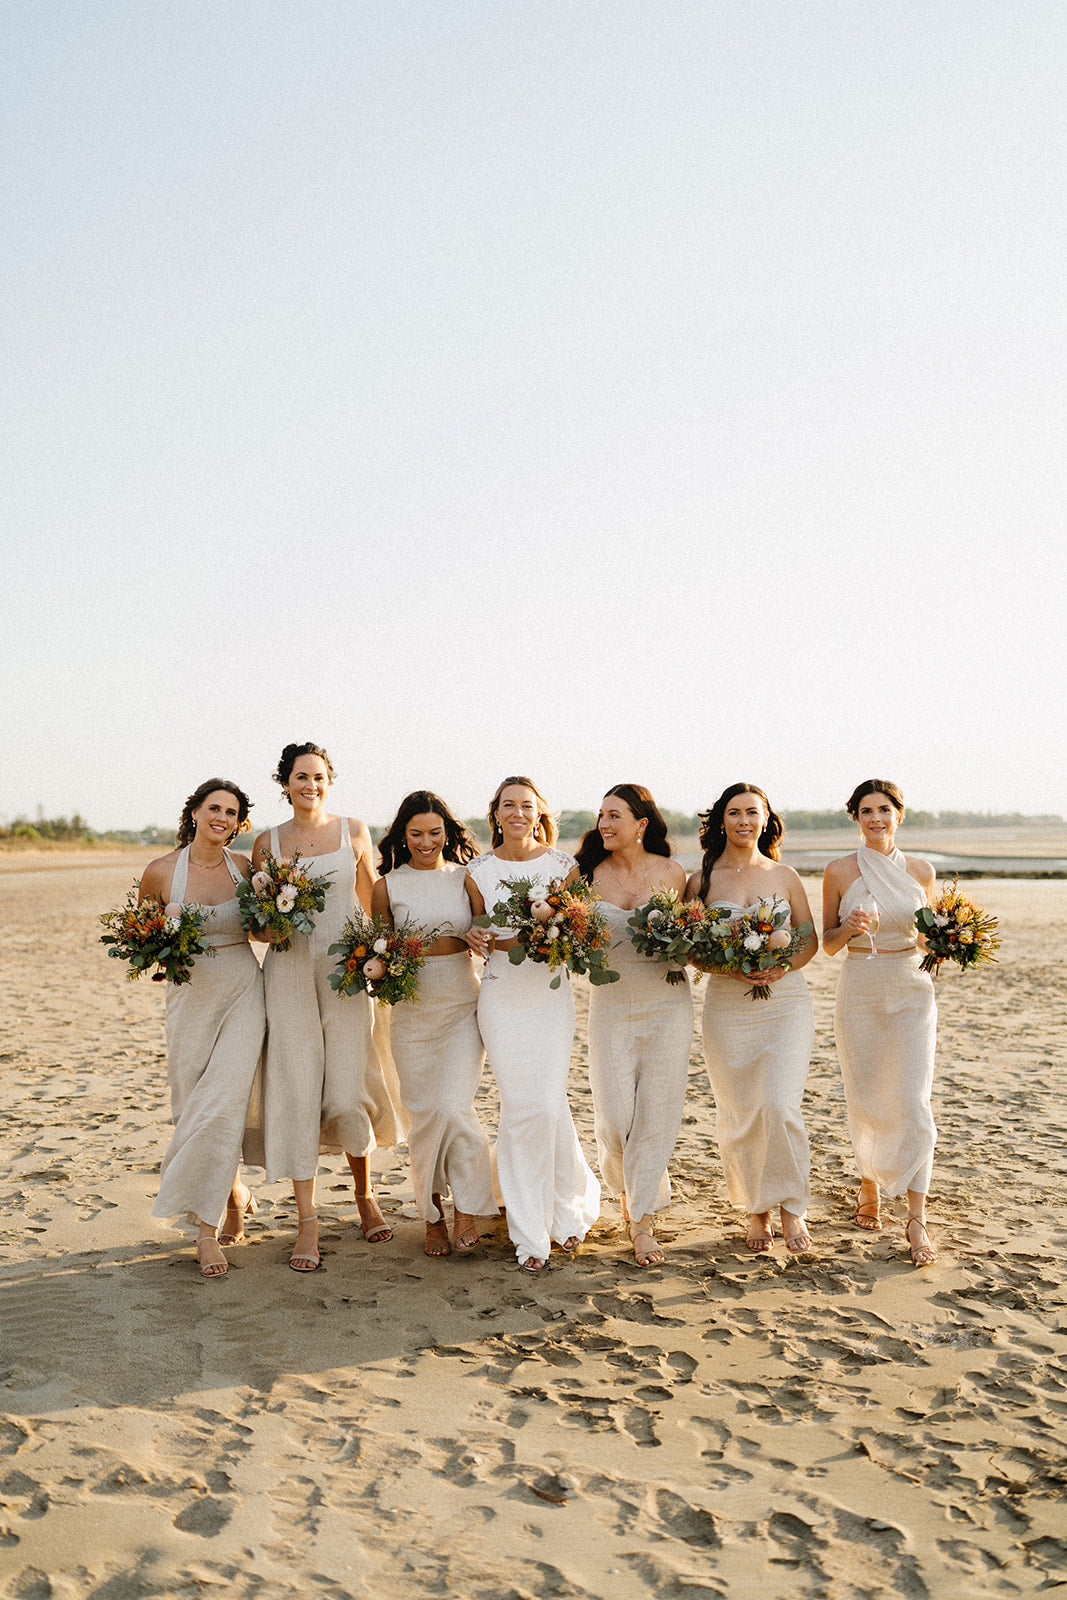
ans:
(608, 391)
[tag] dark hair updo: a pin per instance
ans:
(291, 755)
(875, 786)
(713, 830)
(186, 825)
(393, 845)
(592, 850)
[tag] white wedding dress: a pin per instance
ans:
(546, 1185)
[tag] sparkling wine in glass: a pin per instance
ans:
(872, 911)
(488, 976)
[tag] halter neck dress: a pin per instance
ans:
(325, 1087)
(757, 1054)
(215, 1027)
(438, 1050)
(548, 1188)
(885, 1024)
(640, 1034)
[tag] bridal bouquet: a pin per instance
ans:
(151, 935)
(280, 900)
(750, 942)
(665, 928)
(955, 929)
(557, 926)
(378, 960)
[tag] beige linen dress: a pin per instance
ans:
(325, 1087)
(757, 1053)
(438, 1050)
(215, 1027)
(885, 1024)
(640, 1031)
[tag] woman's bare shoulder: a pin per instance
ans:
(156, 877)
(920, 869)
(844, 870)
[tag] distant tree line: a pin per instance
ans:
(75, 830)
(572, 824)
(68, 830)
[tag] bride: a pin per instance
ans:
(548, 1189)
(757, 1051)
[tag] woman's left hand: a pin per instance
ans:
(768, 975)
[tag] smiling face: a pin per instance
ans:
(308, 783)
(619, 828)
(744, 819)
(217, 817)
(425, 837)
(516, 813)
(878, 818)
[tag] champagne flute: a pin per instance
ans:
(872, 911)
(487, 976)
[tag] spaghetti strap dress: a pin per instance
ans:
(885, 1024)
(324, 1086)
(215, 1025)
(757, 1054)
(438, 1050)
(548, 1189)
(640, 1033)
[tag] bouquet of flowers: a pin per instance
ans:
(955, 929)
(151, 935)
(664, 929)
(280, 898)
(378, 960)
(557, 926)
(752, 942)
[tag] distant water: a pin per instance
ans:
(1004, 866)
(943, 865)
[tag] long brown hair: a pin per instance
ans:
(393, 846)
(592, 850)
(713, 830)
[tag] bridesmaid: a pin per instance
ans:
(215, 1025)
(436, 1044)
(641, 1028)
(323, 1084)
(758, 1051)
(885, 1021)
(548, 1189)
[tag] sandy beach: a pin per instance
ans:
(841, 1424)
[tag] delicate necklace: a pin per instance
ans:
(195, 863)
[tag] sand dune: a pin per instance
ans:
(839, 1425)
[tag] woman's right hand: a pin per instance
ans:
(480, 941)
(857, 922)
